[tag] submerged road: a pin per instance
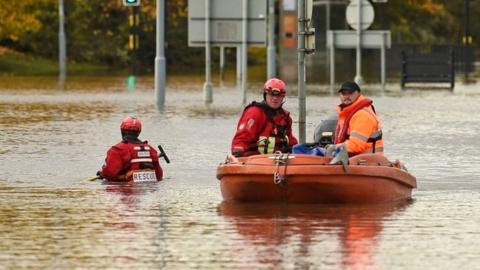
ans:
(52, 218)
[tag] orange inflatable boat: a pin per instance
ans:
(299, 178)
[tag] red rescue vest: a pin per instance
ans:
(276, 127)
(140, 157)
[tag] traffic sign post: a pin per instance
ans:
(62, 47)
(160, 61)
(227, 23)
(271, 48)
(305, 45)
(367, 14)
(360, 15)
(133, 45)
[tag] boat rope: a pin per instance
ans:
(280, 158)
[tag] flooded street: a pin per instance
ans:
(51, 217)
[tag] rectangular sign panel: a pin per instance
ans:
(226, 20)
(371, 39)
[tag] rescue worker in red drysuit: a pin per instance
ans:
(131, 154)
(357, 122)
(265, 127)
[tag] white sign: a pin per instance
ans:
(345, 39)
(226, 23)
(144, 176)
(367, 14)
(289, 5)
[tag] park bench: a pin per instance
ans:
(428, 68)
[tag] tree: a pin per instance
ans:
(18, 18)
(423, 21)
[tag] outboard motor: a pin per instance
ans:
(325, 132)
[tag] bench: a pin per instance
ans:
(428, 68)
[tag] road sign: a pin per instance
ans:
(367, 14)
(130, 3)
(289, 5)
(345, 39)
(348, 39)
(225, 20)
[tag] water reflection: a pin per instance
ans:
(123, 214)
(354, 229)
(131, 223)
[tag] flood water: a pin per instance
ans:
(51, 217)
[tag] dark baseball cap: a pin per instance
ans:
(350, 86)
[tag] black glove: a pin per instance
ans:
(237, 153)
(100, 175)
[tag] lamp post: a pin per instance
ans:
(160, 71)
(271, 50)
(467, 40)
(301, 69)
(358, 77)
(207, 86)
(244, 51)
(62, 47)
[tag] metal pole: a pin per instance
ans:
(332, 63)
(134, 41)
(466, 40)
(271, 68)
(222, 65)
(62, 48)
(383, 50)
(327, 52)
(239, 66)
(383, 65)
(301, 69)
(244, 50)
(207, 87)
(358, 76)
(160, 71)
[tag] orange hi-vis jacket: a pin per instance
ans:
(356, 124)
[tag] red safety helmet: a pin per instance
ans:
(131, 123)
(275, 85)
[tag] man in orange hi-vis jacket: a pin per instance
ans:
(357, 122)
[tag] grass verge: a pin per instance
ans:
(12, 63)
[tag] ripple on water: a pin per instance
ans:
(51, 217)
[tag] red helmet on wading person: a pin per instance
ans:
(131, 124)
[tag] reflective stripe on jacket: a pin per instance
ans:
(126, 156)
(356, 124)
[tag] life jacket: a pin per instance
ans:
(140, 154)
(342, 134)
(274, 134)
(358, 141)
